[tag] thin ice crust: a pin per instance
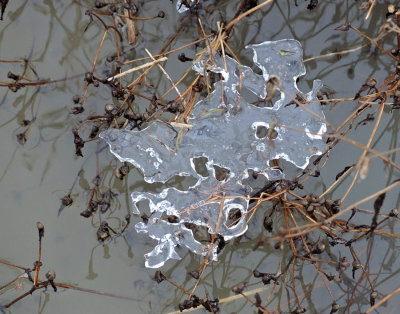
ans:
(225, 132)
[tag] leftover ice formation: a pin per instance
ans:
(225, 132)
(182, 7)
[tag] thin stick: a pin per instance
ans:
(148, 64)
(234, 21)
(165, 73)
(370, 9)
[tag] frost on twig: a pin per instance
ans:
(227, 130)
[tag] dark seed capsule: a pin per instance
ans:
(173, 219)
(161, 14)
(99, 4)
(356, 265)
(335, 307)
(158, 276)
(12, 76)
(86, 213)
(124, 170)
(320, 247)
(195, 274)
(394, 212)
(118, 174)
(310, 209)
(89, 77)
(268, 222)
(13, 88)
(372, 297)
(40, 228)
(239, 288)
(256, 273)
(77, 110)
(51, 275)
(109, 108)
(66, 200)
(145, 218)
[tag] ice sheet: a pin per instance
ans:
(225, 132)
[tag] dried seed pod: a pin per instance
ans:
(394, 212)
(258, 299)
(40, 228)
(319, 248)
(328, 204)
(145, 218)
(109, 108)
(102, 235)
(86, 213)
(124, 170)
(66, 200)
(372, 297)
(13, 88)
(51, 275)
(77, 110)
(161, 14)
(89, 77)
(173, 219)
(158, 276)
(310, 209)
(335, 308)
(299, 310)
(118, 174)
(257, 274)
(356, 265)
(303, 202)
(239, 288)
(195, 274)
(99, 4)
(371, 82)
(76, 99)
(268, 222)
(344, 262)
(13, 76)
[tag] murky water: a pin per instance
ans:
(34, 176)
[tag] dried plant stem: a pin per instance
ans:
(370, 9)
(211, 245)
(364, 154)
(146, 65)
(336, 53)
(10, 282)
(376, 44)
(234, 21)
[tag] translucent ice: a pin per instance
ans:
(181, 5)
(231, 133)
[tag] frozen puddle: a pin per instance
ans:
(232, 134)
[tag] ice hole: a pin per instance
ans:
(233, 218)
(200, 166)
(221, 174)
(262, 131)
